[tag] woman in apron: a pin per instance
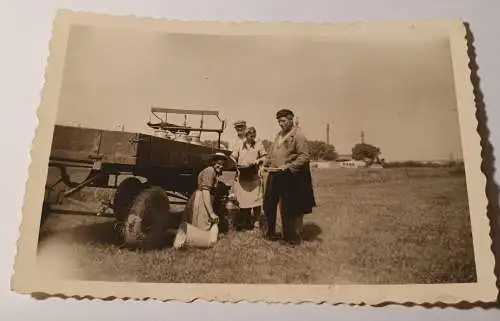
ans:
(200, 218)
(248, 185)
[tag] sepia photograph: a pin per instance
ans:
(181, 160)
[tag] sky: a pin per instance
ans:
(398, 91)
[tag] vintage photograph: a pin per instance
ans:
(218, 154)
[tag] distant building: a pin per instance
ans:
(322, 164)
(353, 164)
(343, 158)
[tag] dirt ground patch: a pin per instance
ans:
(370, 226)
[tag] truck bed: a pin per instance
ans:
(86, 145)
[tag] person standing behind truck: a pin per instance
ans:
(240, 127)
(248, 185)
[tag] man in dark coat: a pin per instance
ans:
(289, 180)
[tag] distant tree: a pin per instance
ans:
(321, 151)
(363, 151)
(329, 153)
(317, 149)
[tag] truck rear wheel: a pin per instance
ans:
(147, 219)
(124, 197)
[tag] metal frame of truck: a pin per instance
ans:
(158, 168)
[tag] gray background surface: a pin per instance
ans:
(25, 34)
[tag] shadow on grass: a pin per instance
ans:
(98, 233)
(106, 233)
(311, 232)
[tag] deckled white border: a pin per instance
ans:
(24, 279)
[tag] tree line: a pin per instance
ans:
(318, 150)
(321, 151)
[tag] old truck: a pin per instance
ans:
(148, 172)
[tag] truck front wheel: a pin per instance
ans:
(124, 197)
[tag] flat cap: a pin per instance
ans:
(240, 123)
(284, 113)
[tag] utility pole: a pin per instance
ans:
(362, 137)
(328, 133)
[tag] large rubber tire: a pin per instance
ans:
(147, 220)
(125, 195)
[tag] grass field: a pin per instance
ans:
(386, 226)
